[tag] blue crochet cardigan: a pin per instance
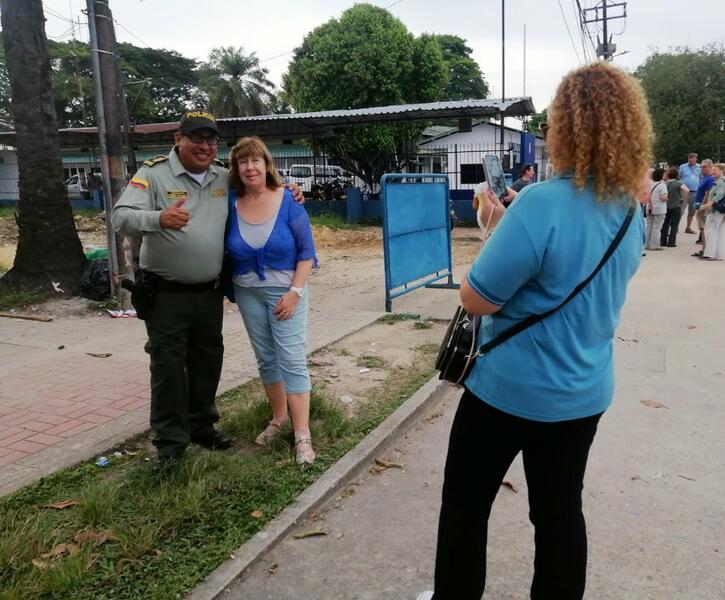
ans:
(289, 242)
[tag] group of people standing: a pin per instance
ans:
(192, 214)
(693, 188)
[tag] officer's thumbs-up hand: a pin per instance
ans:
(174, 216)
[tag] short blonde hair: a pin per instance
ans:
(720, 166)
(599, 127)
(244, 148)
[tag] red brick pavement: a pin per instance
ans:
(68, 396)
(60, 406)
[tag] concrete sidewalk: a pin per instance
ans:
(653, 493)
(59, 405)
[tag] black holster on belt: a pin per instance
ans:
(143, 292)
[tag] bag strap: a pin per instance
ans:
(533, 319)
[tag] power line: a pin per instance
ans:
(590, 51)
(277, 56)
(573, 45)
(131, 33)
(57, 15)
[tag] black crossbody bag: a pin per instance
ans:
(458, 349)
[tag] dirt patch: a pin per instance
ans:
(350, 368)
(362, 238)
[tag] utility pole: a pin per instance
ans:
(605, 47)
(110, 108)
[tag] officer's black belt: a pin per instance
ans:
(164, 285)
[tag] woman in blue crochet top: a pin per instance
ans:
(269, 242)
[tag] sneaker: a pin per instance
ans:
(690, 231)
(428, 595)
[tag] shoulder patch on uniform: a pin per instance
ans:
(138, 182)
(155, 160)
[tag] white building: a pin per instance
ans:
(460, 154)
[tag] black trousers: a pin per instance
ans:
(668, 233)
(186, 350)
(484, 441)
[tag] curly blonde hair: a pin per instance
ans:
(599, 127)
(244, 148)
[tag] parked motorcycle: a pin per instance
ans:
(335, 188)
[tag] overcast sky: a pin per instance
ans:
(274, 29)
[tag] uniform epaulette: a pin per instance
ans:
(155, 160)
(219, 163)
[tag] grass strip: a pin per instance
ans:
(135, 535)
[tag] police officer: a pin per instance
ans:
(178, 205)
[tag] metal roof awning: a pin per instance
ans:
(312, 124)
(330, 121)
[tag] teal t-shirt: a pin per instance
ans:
(550, 239)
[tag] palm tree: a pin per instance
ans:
(235, 83)
(48, 246)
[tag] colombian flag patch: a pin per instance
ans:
(139, 183)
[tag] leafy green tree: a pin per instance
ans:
(72, 83)
(533, 125)
(236, 84)
(465, 79)
(366, 58)
(686, 95)
(160, 84)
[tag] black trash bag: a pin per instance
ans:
(96, 280)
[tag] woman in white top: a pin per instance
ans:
(656, 209)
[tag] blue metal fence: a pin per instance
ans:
(416, 233)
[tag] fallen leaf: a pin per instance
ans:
(510, 486)
(686, 477)
(311, 533)
(318, 362)
(635, 340)
(158, 553)
(387, 464)
(257, 514)
(691, 327)
(346, 493)
(62, 505)
(99, 355)
(95, 537)
(434, 417)
(653, 404)
(129, 453)
(61, 550)
(126, 561)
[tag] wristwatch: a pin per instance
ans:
(297, 290)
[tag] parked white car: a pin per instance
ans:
(302, 175)
(77, 188)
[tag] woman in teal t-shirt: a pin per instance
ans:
(543, 391)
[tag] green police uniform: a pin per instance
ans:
(185, 328)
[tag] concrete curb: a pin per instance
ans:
(219, 580)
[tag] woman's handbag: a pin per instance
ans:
(459, 350)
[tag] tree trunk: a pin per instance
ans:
(48, 246)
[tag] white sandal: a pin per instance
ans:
(304, 455)
(269, 432)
